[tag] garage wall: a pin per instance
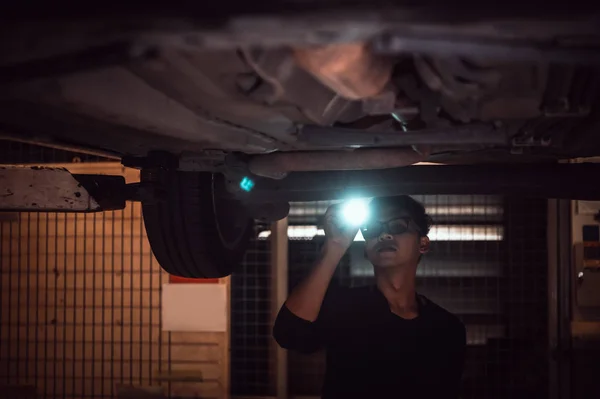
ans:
(81, 309)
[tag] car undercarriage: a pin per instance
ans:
(319, 103)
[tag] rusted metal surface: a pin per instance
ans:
(351, 70)
(42, 189)
(283, 81)
(330, 137)
(277, 165)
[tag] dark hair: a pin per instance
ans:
(413, 207)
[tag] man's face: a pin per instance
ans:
(392, 250)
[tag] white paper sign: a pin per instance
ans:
(194, 307)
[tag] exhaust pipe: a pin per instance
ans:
(277, 165)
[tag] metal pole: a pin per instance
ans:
(559, 298)
(279, 291)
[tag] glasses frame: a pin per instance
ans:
(384, 227)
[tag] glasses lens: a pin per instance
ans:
(398, 226)
(371, 230)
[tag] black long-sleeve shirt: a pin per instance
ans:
(373, 353)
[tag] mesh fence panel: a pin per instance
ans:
(251, 321)
(80, 304)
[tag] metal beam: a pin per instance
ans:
(278, 164)
(336, 137)
(42, 189)
(279, 292)
(559, 298)
(561, 181)
(509, 50)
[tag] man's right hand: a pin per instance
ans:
(306, 298)
(338, 235)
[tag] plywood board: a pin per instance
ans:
(194, 307)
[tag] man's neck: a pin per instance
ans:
(398, 286)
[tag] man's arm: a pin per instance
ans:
(296, 326)
(299, 326)
(306, 298)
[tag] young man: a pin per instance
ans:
(384, 341)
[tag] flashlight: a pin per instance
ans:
(355, 212)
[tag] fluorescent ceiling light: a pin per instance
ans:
(437, 233)
(468, 210)
(308, 209)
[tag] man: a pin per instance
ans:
(384, 341)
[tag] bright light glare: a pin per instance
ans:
(437, 233)
(355, 212)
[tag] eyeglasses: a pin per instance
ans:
(374, 228)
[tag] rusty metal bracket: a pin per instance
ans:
(40, 189)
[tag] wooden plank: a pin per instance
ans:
(279, 283)
(589, 330)
(208, 371)
(253, 397)
(193, 353)
(212, 389)
(212, 338)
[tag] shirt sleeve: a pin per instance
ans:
(294, 333)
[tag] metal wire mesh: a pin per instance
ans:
(80, 307)
(80, 304)
(251, 315)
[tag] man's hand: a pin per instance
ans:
(339, 235)
(306, 298)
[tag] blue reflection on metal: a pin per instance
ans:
(246, 184)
